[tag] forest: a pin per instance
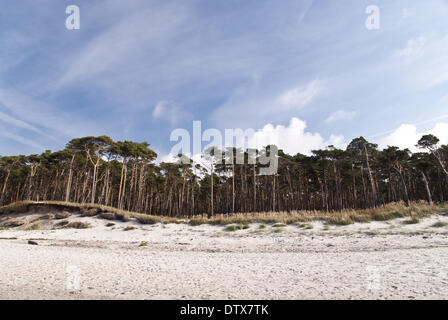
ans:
(123, 174)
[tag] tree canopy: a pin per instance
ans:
(123, 174)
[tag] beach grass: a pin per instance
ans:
(415, 211)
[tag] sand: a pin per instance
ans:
(377, 260)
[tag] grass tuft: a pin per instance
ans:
(279, 225)
(305, 226)
(339, 221)
(413, 220)
(35, 226)
(439, 224)
(237, 227)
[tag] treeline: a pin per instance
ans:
(123, 174)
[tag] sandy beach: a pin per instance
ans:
(126, 260)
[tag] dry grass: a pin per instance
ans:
(390, 211)
(35, 226)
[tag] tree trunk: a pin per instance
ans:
(255, 188)
(405, 189)
(428, 191)
(5, 183)
(212, 203)
(372, 181)
(233, 185)
(69, 180)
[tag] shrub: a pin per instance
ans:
(129, 228)
(147, 220)
(122, 217)
(108, 216)
(143, 244)
(62, 224)
(78, 225)
(89, 212)
(62, 215)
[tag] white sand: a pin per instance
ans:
(379, 260)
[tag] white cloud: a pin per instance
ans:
(299, 97)
(340, 115)
(169, 111)
(166, 158)
(294, 138)
(407, 136)
(413, 49)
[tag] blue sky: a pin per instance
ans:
(307, 73)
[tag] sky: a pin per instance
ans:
(302, 74)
